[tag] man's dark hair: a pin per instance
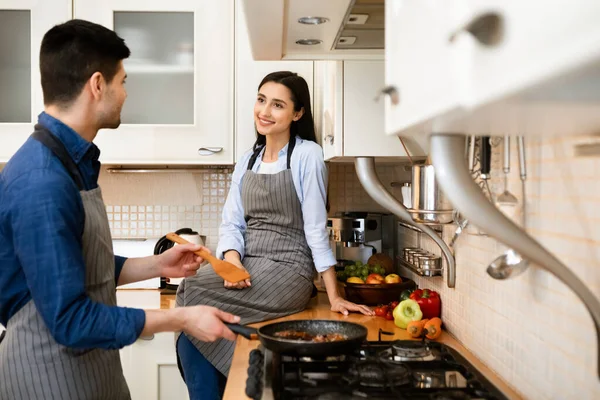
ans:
(71, 53)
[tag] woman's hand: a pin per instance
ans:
(344, 306)
(234, 258)
(338, 304)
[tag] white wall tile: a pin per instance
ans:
(532, 330)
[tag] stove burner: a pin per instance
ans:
(376, 374)
(401, 351)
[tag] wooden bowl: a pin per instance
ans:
(372, 295)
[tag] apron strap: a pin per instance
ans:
(291, 145)
(46, 138)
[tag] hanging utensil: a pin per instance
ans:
(523, 175)
(486, 161)
(472, 153)
(506, 198)
(511, 264)
(224, 269)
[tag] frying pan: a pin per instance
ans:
(355, 335)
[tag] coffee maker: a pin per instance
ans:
(356, 236)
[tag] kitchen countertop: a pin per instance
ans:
(318, 308)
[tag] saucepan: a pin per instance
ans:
(354, 335)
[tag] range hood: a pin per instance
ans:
(315, 29)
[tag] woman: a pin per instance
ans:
(274, 226)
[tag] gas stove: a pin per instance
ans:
(402, 369)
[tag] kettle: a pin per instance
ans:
(165, 244)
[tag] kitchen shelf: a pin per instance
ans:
(159, 69)
(428, 273)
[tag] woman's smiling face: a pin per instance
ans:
(274, 109)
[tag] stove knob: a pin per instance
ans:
(254, 382)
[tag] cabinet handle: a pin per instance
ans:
(209, 151)
(389, 91)
(486, 28)
(330, 139)
(147, 337)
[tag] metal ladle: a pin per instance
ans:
(511, 264)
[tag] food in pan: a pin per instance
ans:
(307, 337)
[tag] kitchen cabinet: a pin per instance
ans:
(23, 23)
(349, 120)
(248, 75)
(508, 76)
(150, 369)
(421, 64)
(180, 80)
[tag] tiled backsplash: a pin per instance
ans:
(152, 204)
(532, 330)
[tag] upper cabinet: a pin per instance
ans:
(248, 75)
(348, 117)
(179, 108)
(23, 23)
(487, 67)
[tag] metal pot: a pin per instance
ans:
(429, 204)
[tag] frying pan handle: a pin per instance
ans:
(246, 331)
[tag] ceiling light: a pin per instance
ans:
(309, 42)
(312, 20)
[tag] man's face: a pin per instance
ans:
(112, 103)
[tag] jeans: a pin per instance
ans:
(203, 380)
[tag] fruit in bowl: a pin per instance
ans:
(375, 279)
(370, 274)
(392, 278)
(354, 279)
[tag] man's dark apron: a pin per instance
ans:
(32, 364)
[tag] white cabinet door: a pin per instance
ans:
(150, 368)
(248, 75)
(179, 108)
(23, 24)
(328, 110)
(529, 50)
(421, 64)
(364, 133)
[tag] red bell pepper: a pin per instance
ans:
(429, 302)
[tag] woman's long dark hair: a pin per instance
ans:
(305, 126)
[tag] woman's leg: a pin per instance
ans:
(203, 380)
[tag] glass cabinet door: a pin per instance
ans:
(179, 107)
(160, 70)
(23, 24)
(15, 66)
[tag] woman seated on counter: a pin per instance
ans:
(273, 226)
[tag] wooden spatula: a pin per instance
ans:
(224, 269)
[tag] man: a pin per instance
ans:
(57, 269)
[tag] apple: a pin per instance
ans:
(392, 278)
(375, 279)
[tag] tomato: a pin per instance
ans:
(381, 310)
(389, 315)
(393, 305)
